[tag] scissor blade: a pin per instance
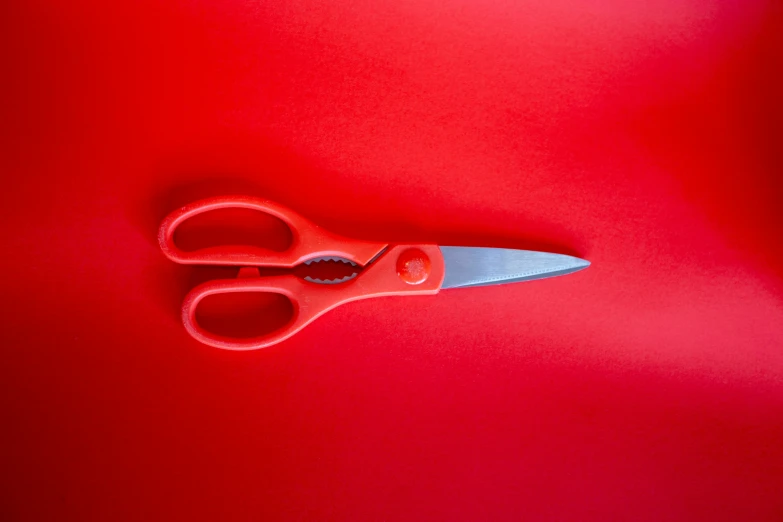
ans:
(472, 266)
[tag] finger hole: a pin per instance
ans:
(244, 314)
(235, 227)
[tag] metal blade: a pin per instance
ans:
(472, 266)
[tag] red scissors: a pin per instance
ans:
(381, 269)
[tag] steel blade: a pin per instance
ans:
(473, 266)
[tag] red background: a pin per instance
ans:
(643, 136)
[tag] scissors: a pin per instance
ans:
(376, 269)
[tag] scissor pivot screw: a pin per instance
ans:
(413, 266)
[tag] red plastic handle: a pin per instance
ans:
(401, 270)
(309, 240)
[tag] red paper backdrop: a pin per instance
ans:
(644, 136)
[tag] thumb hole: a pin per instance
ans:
(244, 314)
(233, 226)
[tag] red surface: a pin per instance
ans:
(643, 136)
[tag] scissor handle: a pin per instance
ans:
(401, 270)
(308, 239)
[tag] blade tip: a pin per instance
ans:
(581, 264)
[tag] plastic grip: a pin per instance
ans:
(389, 275)
(309, 240)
